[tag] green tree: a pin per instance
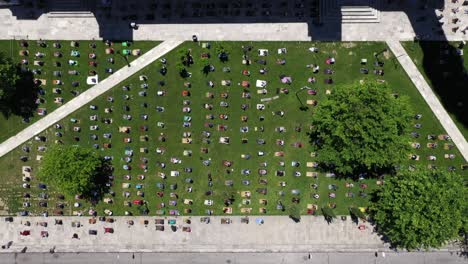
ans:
(421, 208)
(8, 76)
(361, 128)
(71, 169)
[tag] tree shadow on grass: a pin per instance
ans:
(22, 100)
(444, 67)
(102, 183)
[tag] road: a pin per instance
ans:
(232, 258)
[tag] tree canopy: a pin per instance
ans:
(421, 208)
(71, 169)
(8, 76)
(361, 128)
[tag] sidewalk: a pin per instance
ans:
(393, 25)
(428, 95)
(277, 234)
(87, 96)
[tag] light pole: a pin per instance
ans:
(377, 54)
(125, 58)
(303, 107)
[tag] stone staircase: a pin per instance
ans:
(359, 14)
(350, 11)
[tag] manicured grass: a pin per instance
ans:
(446, 72)
(348, 57)
(11, 124)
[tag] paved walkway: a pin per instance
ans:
(428, 95)
(87, 96)
(394, 24)
(277, 234)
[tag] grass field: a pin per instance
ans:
(12, 123)
(446, 72)
(347, 69)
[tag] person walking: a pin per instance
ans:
(133, 25)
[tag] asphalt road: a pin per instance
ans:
(231, 258)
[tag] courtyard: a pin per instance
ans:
(231, 139)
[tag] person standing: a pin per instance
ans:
(133, 25)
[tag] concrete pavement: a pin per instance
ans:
(394, 24)
(233, 258)
(277, 234)
(87, 96)
(397, 25)
(428, 95)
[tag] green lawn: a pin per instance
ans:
(348, 57)
(12, 123)
(445, 72)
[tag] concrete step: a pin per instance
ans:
(367, 13)
(357, 11)
(356, 8)
(360, 19)
(344, 18)
(351, 11)
(70, 14)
